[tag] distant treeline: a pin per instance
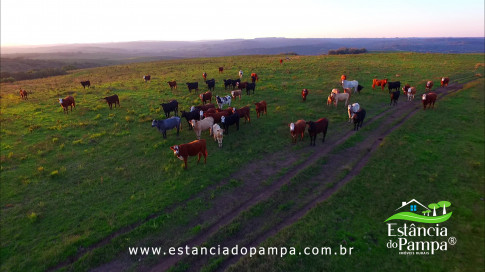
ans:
(346, 50)
(33, 74)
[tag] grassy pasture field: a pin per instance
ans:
(69, 181)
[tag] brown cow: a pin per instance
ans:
(410, 92)
(221, 69)
(236, 93)
(244, 112)
(429, 99)
(66, 102)
(261, 108)
(445, 81)
(343, 77)
(296, 129)
(204, 75)
(172, 84)
(207, 96)
(379, 82)
(23, 94)
(203, 108)
(217, 115)
(429, 85)
(112, 100)
(304, 94)
(183, 151)
(146, 78)
(314, 128)
(329, 100)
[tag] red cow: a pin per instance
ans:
(343, 77)
(204, 75)
(281, 61)
(23, 94)
(183, 151)
(261, 108)
(217, 115)
(379, 82)
(207, 96)
(429, 99)
(429, 85)
(296, 129)
(172, 84)
(66, 102)
(254, 77)
(445, 81)
(304, 94)
(244, 112)
(221, 69)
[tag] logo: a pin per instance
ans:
(409, 209)
(419, 239)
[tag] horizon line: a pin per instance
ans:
(228, 39)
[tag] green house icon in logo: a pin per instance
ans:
(412, 210)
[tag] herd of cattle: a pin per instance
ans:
(206, 117)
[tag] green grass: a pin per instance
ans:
(68, 181)
(431, 157)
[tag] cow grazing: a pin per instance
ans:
(410, 92)
(207, 96)
(445, 81)
(211, 84)
(170, 106)
(249, 87)
(304, 94)
(112, 100)
(379, 82)
(167, 124)
(254, 77)
(261, 108)
(23, 94)
(240, 74)
(336, 97)
(358, 118)
(146, 78)
(192, 115)
(173, 85)
(216, 116)
(221, 70)
(394, 97)
(354, 84)
(230, 120)
(429, 85)
(204, 124)
(218, 134)
(183, 151)
(221, 101)
(429, 99)
(193, 86)
(314, 128)
(395, 85)
(66, 102)
(204, 75)
(236, 93)
(244, 112)
(85, 84)
(227, 83)
(297, 128)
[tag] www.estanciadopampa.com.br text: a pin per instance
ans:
(236, 250)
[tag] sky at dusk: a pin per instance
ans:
(41, 22)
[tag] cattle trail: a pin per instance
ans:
(225, 208)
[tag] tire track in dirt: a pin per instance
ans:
(321, 152)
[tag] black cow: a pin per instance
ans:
(227, 82)
(358, 119)
(86, 84)
(394, 97)
(230, 120)
(192, 115)
(235, 82)
(193, 86)
(211, 84)
(249, 87)
(170, 106)
(396, 85)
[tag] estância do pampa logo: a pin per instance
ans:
(431, 237)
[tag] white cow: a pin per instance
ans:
(354, 84)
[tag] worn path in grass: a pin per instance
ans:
(260, 180)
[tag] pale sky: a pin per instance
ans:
(39, 22)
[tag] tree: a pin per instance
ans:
(444, 204)
(426, 213)
(433, 206)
